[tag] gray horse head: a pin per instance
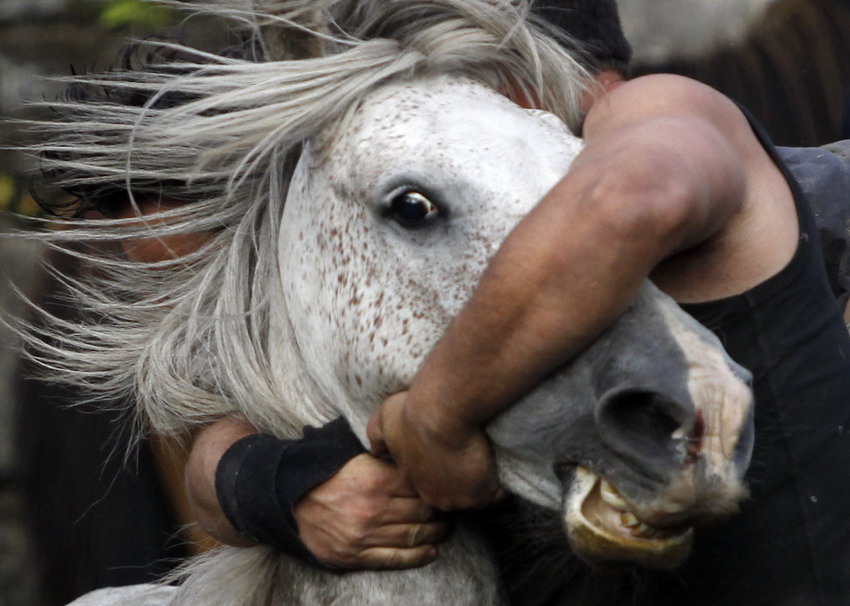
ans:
(388, 225)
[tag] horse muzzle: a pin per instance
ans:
(681, 471)
(644, 436)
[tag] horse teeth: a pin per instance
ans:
(640, 529)
(648, 532)
(645, 531)
(611, 496)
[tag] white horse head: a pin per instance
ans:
(353, 201)
(406, 202)
(388, 224)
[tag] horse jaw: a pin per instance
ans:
(605, 532)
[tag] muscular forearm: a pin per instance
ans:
(666, 167)
(546, 295)
(573, 265)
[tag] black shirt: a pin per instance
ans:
(790, 545)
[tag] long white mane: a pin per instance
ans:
(187, 338)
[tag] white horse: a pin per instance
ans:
(351, 201)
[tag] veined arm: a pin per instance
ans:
(669, 164)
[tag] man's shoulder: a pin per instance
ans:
(823, 174)
(841, 150)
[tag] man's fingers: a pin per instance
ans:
(389, 558)
(406, 511)
(454, 473)
(401, 486)
(482, 496)
(375, 433)
(458, 495)
(406, 535)
(425, 534)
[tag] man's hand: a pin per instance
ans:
(450, 468)
(368, 516)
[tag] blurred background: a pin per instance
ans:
(74, 514)
(72, 517)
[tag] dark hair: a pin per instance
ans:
(110, 199)
(595, 23)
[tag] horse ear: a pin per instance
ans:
(291, 32)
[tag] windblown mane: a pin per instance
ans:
(187, 338)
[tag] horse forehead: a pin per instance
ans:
(434, 95)
(448, 120)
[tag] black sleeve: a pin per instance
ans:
(824, 176)
(260, 478)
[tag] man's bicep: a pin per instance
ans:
(663, 96)
(678, 178)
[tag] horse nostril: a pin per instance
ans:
(642, 413)
(564, 470)
(640, 424)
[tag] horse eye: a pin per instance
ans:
(412, 209)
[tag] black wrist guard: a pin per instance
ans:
(260, 478)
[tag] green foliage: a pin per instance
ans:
(137, 15)
(7, 190)
(14, 196)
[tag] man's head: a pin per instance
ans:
(596, 25)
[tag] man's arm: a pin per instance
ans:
(667, 165)
(209, 446)
(366, 515)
